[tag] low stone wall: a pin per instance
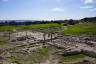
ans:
(85, 52)
(89, 53)
(71, 53)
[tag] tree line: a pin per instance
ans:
(27, 22)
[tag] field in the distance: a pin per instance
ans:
(30, 26)
(81, 28)
(77, 29)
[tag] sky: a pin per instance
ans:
(46, 9)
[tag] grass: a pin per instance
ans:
(16, 59)
(77, 29)
(29, 26)
(14, 49)
(43, 52)
(40, 55)
(83, 28)
(37, 56)
(3, 43)
(71, 58)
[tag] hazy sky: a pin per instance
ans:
(47, 9)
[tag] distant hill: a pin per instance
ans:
(18, 20)
(90, 19)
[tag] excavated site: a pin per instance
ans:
(39, 46)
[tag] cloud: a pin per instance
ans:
(89, 1)
(87, 7)
(91, 8)
(57, 9)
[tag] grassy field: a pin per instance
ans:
(81, 28)
(33, 25)
(77, 29)
(71, 58)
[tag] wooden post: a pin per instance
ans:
(44, 36)
(51, 36)
(9, 35)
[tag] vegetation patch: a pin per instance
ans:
(38, 56)
(3, 42)
(43, 52)
(71, 58)
(28, 26)
(13, 49)
(82, 28)
(16, 59)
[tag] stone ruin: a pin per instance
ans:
(70, 44)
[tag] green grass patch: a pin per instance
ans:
(16, 59)
(40, 55)
(82, 28)
(3, 42)
(43, 52)
(13, 49)
(28, 26)
(71, 58)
